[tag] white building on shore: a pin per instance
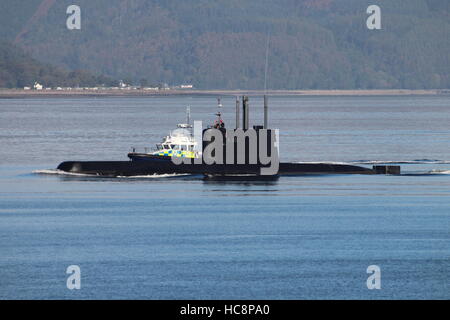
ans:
(37, 86)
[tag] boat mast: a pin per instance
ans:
(188, 115)
(219, 122)
(266, 99)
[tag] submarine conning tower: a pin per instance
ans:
(243, 137)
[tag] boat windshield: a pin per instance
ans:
(181, 133)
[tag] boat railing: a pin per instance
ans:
(142, 150)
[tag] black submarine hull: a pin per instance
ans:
(143, 164)
(143, 168)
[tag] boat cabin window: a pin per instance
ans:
(166, 146)
(183, 147)
(175, 147)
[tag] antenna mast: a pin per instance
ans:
(188, 115)
(266, 102)
(267, 64)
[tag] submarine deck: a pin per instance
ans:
(140, 168)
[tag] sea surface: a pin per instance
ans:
(183, 237)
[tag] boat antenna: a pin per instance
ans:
(266, 103)
(267, 64)
(219, 121)
(188, 115)
(219, 106)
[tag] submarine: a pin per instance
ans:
(184, 152)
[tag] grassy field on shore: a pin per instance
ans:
(19, 93)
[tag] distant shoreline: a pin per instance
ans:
(19, 93)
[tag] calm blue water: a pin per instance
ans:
(309, 237)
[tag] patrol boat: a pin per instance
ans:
(179, 143)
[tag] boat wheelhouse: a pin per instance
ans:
(180, 143)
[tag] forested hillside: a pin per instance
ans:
(314, 44)
(18, 69)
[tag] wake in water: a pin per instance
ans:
(419, 161)
(64, 173)
(60, 172)
(359, 162)
(440, 172)
(375, 162)
(323, 162)
(395, 162)
(410, 162)
(156, 176)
